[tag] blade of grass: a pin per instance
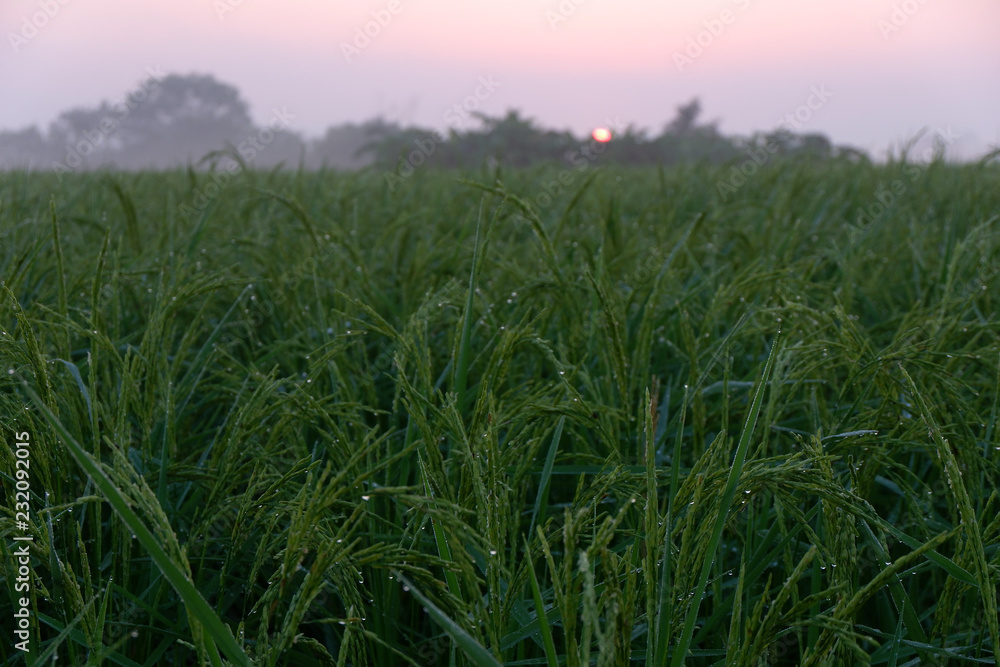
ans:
(477, 653)
(896, 640)
(53, 644)
(543, 484)
(80, 638)
(200, 609)
(665, 604)
(464, 345)
(61, 268)
(543, 622)
(652, 523)
(902, 601)
(680, 652)
(439, 537)
(128, 208)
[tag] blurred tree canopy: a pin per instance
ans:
(192, 119)
(517, 141)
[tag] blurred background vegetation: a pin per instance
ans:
(184, 118)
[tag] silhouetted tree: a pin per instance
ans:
(686, 119)
(518, 142)
(25, 148)
(343, 146)
(182, 119)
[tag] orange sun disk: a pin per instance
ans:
(601, 134)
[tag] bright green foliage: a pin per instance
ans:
(302, 419)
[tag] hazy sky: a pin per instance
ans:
(870, 73)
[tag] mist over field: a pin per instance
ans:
(891, 69)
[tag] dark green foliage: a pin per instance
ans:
(457, 423)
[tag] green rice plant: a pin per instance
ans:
(728, 494)
(164, 551)
(307, 387)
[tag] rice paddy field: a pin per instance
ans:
(494, 417)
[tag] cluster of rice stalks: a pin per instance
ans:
(322, 423)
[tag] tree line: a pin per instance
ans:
(177, 120)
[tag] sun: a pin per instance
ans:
(601, 134)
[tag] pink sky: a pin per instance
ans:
(570, 64)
